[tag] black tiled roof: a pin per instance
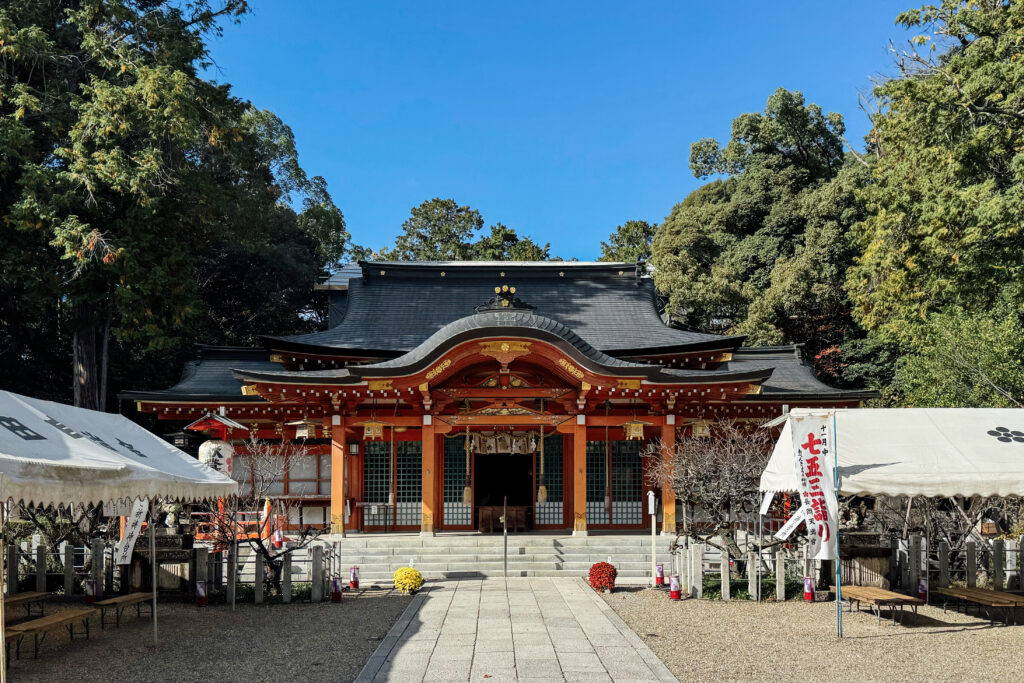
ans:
(394, 307)
(791, 376)
(210, 376)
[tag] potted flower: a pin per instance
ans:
(602, 576)
(408, 580)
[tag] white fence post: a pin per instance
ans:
(753, 585)
(286, 578)
(231, 572)
(12, 569)
(258, 571)
(317, 589)
(41, 568)
(69, 570)
(97, 563)
(780, 575)
(724, 568)
(998, 563)
(915, 563)
(202, 570)
(972, 564)
(697, 570)
(943, 564)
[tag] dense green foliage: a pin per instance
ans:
(142, 207)
(902, 266)
(942, 248)
(631, 242)
(763, 251)
(441, 230)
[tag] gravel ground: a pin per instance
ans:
(301, 641)
(711, 640)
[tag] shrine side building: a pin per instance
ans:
(442, 389)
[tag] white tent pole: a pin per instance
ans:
(760, 546)
(152, 561)
(3, 593)
(839, 564)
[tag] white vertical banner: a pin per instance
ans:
(133, 525)
(813, 449)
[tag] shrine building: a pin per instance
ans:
(441, 390)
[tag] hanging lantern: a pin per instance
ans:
(373, 430)
(304, 428)
(218, 455)
(634, 430)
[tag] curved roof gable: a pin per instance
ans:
(514, 323)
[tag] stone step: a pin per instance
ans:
(431, 550)
(610, 550)
(414, 540)
(384, 579)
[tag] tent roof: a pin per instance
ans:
(916, 452)
(53, 454)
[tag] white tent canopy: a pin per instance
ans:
(53, 454)
(915, 452)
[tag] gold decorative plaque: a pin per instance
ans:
(439, 368)
(570, 368)
(505, 351)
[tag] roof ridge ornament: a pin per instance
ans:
(504, 299)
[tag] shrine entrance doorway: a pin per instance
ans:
(503, 474)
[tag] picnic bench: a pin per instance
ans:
(26, 600)
(120, 603)
(877, 598)
(39, 628)
(984, 598)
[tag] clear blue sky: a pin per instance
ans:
(559, 119)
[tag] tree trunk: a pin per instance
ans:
(90, 351)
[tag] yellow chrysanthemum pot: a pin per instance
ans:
(408, 580)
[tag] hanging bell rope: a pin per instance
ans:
(467, 490)
(607, 466)
(542, 490)
(394, 483)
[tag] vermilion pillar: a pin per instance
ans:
(337, 426)
(429, 449)
(579, 473)
(668, 495)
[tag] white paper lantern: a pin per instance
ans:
(218, 455)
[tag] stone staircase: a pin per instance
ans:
(481, 556)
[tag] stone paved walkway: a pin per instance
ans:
(542, 629)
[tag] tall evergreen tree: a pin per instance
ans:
(762, 249)
(122, 172)
(441, 230)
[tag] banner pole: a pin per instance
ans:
(153, 564)
(839, 563)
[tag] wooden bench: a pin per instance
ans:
(26, 600)
(984, 598)
(39, 628)
(119, 603)
(878, 598)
